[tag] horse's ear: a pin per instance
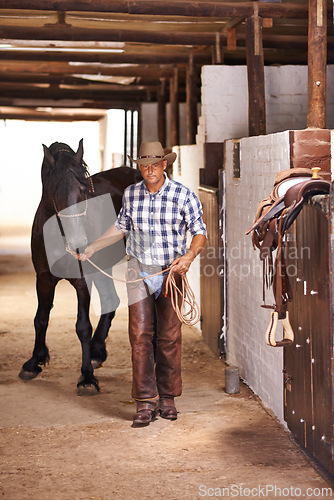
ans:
(79, 154)
(48, 156)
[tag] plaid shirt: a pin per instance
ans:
(157, 223)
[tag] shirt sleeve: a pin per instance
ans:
(193, 215)
(123, 222)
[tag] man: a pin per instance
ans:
(156, 215)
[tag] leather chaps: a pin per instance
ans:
(155, 338)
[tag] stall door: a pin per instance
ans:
(211, 300)
(308, 363)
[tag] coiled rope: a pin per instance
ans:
(192, 316)
(189, 317)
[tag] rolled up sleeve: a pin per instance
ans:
(193, 215)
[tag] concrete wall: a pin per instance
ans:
(225, 100)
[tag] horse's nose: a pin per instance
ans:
(75, 234)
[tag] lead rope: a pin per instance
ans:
(190, 317)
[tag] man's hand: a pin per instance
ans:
(111, 236)
(181, 264)
(89, 251)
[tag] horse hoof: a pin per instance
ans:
(96, 363)
(87, 390)
(26, 375)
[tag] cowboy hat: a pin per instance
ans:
(152, 152)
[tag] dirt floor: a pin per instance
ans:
(56, 445)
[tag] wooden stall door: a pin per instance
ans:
(308, 363)
(210, 279)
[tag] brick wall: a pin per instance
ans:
(260, 365)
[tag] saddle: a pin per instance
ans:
(274, 215)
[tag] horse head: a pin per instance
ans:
(65, 180)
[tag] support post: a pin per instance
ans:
(162, 112)
(255, 72)
(191, 103)
(317, 61)
(174, 102)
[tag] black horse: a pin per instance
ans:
(65, 217)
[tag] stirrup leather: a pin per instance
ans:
(288, 335)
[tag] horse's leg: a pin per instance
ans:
(109, 301)
(45, 287)
(88, 385)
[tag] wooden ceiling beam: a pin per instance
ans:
(105, 35)
(64, 68)
(163, 8)
(81, 81)
(129, 102)
(69, 92)
(81, 94)
(81, 34)
(281, 43)
(157, 58)
(62, 114)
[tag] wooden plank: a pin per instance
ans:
(232, 39)
(296, 395)
(317, 61)
(139, 58)
(213, 162)
(317, 223)
(105, 35)
(78, 34)
(211, 302)
(308, 362)
(268, 22)
(161, 97)
(53, 67)
(255, 72)
(174, 105)
(191, 102)
(163, 8)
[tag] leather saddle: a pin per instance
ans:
(275, 214)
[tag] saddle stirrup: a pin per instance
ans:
(288, 335)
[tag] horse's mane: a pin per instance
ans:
(57, 179)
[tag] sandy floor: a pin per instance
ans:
(56, 445)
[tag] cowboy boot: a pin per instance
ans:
(167, 408)
(146, 412)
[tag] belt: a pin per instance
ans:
(152, 268)
(149, 268)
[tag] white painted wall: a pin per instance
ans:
(186, 170)
(225, 100)
(259, 365)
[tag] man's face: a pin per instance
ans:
(153, 174)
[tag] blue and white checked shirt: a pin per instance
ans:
(157, 223)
